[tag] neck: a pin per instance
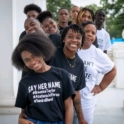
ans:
(63, 24)
(99, 26)
(84, 47)
(44, 68)
(69, 54)
(73, 21)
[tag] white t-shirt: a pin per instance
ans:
(103, 39)
(95, 62)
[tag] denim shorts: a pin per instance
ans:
(41, 122)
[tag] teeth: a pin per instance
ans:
(32, 31)
(74, 45)
(51, 29)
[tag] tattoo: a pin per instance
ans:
(78, 107)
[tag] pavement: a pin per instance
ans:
(110, 107)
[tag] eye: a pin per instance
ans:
(26, 60)
(79, 38)
(70, 36)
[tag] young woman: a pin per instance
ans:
(85, 14)
(95, 62)
(67, 58)
(48, 23)
(43, 95)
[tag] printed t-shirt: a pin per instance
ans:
(103, 39)
(95, 62)
(42, 95)
(76, 73)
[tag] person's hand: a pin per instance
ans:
(97, 89)
(82, 121)
(24, 121)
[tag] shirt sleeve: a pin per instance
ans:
(68, 89)
(21, 101)
(81, 82)
(103, 62)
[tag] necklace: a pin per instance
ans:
(70, 63)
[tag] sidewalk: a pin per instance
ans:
(110, 108)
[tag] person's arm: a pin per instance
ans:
(107, 79)
(78, 108)
(68, 110)
(22, 118)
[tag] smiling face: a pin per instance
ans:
(50, 26)
(100, 17)
(90, 34)
(33, 26)
(32, 61)
(72, 40)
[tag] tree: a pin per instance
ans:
(93, 7)
(115, 10)
(55, 5)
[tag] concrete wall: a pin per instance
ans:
(11, 25)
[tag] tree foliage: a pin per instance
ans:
(55, 5)
(115, 22)
(93, 7)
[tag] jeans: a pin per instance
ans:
(41, 122)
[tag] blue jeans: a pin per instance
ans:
(41, 122)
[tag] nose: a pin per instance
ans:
(32, 62)
(30, 29)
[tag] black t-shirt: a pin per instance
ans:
(42, 95)
(61, 29)
(77, 74)
(70, 22)
(56, 39)
(22, 35)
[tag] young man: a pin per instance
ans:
(63, 17)
(31, 11)
(103, 36)
(73, 14)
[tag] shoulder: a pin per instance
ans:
(59, 71)
(56, 39)
(54, 36)
(22, 35)
(106, 33)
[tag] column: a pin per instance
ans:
(11, 25)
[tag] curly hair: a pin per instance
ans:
(43, 15)
(30, 7)
(81, 12)
(37, 44)
(75, 28)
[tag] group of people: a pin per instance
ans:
(60, 64)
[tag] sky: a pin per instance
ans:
(85, 2)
